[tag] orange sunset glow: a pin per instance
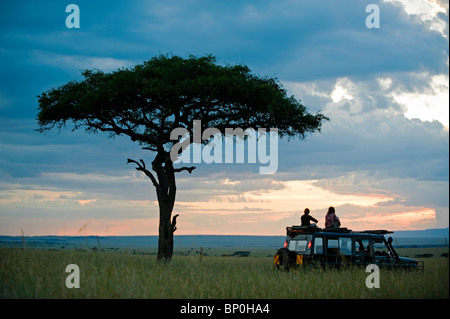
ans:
(381, 159)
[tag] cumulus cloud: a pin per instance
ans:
(79, 63)
(433, 13)
(369, 130)
(382, 157)
(294, 40)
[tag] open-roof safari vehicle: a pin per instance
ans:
(309, 246)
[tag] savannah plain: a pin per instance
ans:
(206, 274)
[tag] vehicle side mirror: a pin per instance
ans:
(390, 240)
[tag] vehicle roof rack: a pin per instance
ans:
(337, 230)
(295, 230)
(377, 231)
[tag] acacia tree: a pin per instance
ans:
(148, 101)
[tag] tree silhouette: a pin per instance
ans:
(148, 101)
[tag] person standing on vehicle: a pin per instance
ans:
(331, 220)
(306, 218)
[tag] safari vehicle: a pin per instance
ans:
(311, 246)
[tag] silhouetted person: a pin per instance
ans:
(306, 218)
(331, 220)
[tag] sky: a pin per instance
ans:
(382, 160)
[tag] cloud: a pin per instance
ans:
(368, 129)
(393, 218)
(317, 43)
(428, 103)
(383, 157)
(38, 226)
(79, 63)
(431, 12)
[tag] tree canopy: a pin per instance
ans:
(148, 101)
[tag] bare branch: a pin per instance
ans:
(174, 222)
(143, 164)
(189, 169)
(146, 171)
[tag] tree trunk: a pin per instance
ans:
(166, 230)
(166, 191)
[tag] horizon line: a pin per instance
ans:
(156, 235)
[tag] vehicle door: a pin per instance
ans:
(338, 250)
(346, 250)
(317, 255)
(301, 245)
(381, 252)
(362, 255)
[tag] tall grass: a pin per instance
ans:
(41, 274)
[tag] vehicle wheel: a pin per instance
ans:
(285, 260)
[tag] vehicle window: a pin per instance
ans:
(345, 246)
(298, 244)
(332, 246)
(318, 245)
(379, 247)
(362, 246)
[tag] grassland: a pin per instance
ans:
(37, 273)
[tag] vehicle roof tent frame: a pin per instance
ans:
(296, 230)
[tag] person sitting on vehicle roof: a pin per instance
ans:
(306, 218)
(331, 220)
